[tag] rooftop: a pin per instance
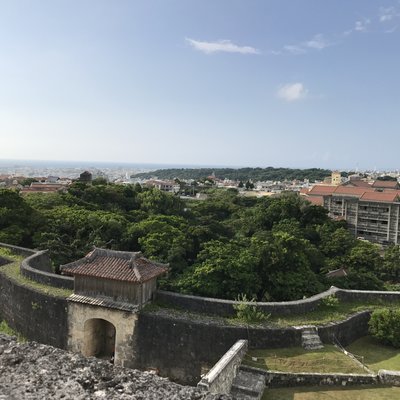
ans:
(115, 265)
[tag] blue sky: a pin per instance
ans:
(213, 82)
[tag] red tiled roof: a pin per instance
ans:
(386, 184)
(304, 191)
(356, 183)
(316, 200)
(115, 265)
(385, 197)
(363, 193)
(321, 190)
(352, 191)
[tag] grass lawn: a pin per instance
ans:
(325, 314)
(376, 356)
(296, 359)
(4, 328)
(12, 271)
(334, 393)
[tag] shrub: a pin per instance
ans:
(330, 301)
(246, 310)
(384, 325)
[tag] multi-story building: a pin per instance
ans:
(371, 212)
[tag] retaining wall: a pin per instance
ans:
(287, 379)
(183, 347)
(346, 331)
(35, 315)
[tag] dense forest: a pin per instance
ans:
(225, 246)
(241, 174)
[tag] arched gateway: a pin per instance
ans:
(99, 339)
(110, 287)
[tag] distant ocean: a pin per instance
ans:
(96, 164)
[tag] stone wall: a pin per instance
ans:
(219, 379)
(184, 347)
(288, 379)
(37, 267)
(367, 295)
(21, 251)
(225, 308)
(35, 315)
(346, 331)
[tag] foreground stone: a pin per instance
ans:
(35, 371)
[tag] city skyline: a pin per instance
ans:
(228, 83)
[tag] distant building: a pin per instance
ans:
(336, 178)
(86, 177)
(371, 212)
(386, 185)
(163, 185)
(39, 187)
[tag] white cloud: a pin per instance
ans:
(292, 92)
(293, 49)
(388, 14)
(317, 42)
(361, 26)
(225, 46)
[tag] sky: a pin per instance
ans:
(257, 83)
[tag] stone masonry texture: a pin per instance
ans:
(34, 371)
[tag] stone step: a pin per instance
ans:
(310, 339)
(248, 385)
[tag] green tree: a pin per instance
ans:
(384, 325)
(390, 268)
(222, 270)
(17, 219)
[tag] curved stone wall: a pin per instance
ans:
(37, 267)
(224, 308)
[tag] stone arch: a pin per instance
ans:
(99, 338)
(87, 322)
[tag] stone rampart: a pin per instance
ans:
(367, 295)
(288, 379)
(37, 267)
(225, 308)
(387, 377)
(219, 379)
(183, 347)
(21, 251)
(37, 316)
(347, 331)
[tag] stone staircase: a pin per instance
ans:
(310, 339)
(249, 384)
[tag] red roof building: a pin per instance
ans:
(371, 211)
(125, 277)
